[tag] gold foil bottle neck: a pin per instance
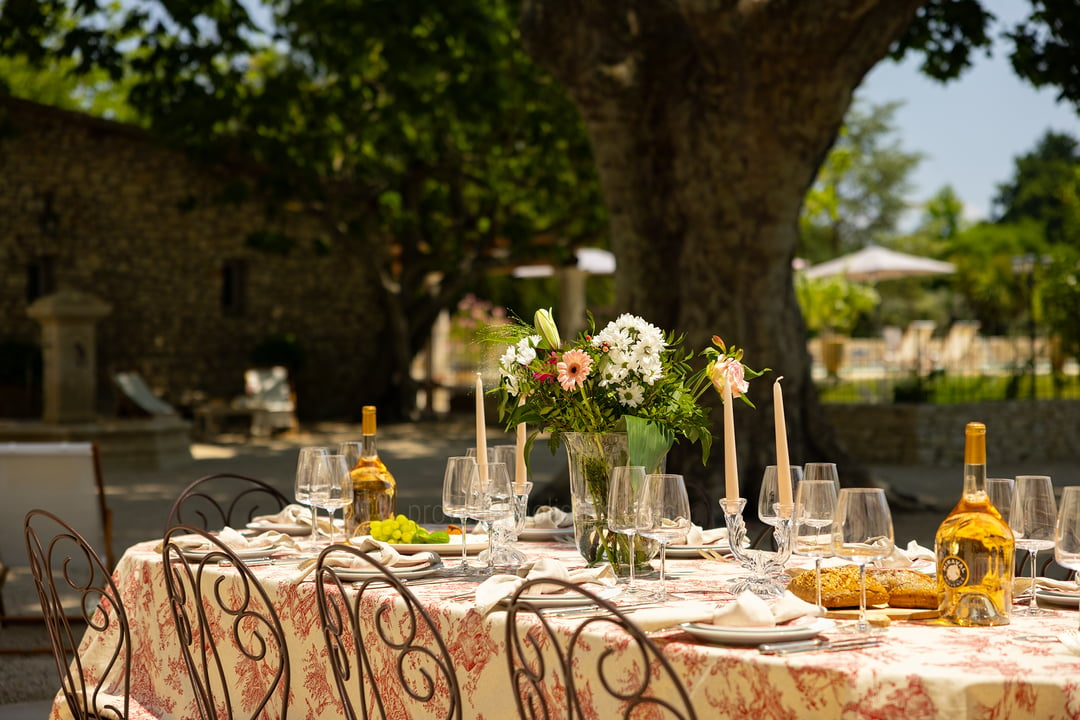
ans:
(368, 426)
(975, 444)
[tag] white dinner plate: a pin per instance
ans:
(242, 553)
(283, 528)
(1058, 597)
(474, 544)
(694, 551)
(411, 571)
(566, 599)
(541, 534)
(757, 635)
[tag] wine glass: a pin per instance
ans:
(623, 491)
(815, 508)
(1067, 533)
(821, 471)
(1032, 517)
(862, 531)
(455, 494)
(331, 485)
(352, 450)
(1000, 491)
(769, 495)
(663, 514)
(490, 499)
(302, 486)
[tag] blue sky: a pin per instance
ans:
(969, 130)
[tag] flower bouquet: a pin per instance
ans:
(618, 396)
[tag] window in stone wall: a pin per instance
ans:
(234, 286)
(40, 277)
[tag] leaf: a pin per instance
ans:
(647, 442)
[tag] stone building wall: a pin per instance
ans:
(140, 226)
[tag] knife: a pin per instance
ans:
(799, 646)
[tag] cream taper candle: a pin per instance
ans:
(783, 464)
(520, 475)
(481, 429)
(731, 462)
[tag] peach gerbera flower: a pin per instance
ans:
(573, 369)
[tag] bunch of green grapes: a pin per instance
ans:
(401, 530)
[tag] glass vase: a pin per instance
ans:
(591, 456)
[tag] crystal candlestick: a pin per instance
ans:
(767, 574)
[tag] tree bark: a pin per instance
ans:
(709, 120)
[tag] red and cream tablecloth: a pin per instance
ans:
(919, 672)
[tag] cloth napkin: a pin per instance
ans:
(236, 541)
(906, 558)
(499, 587)
(293, 515)
(377, 549)
(549, 517)
(1023, 585)
(696, 535)
(748, 610)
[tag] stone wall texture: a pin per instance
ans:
(912, 434)
(144, 228)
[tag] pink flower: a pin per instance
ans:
(573, 369)
(731, 371)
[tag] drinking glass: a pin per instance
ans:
(1032, 517)
(351, 450)
(769, 495)
(331, 485)
(1067, 533)
(455, 495)
(1000, 491)
(663, 514)
(302, 486)
(490, 498)
(815, 508)
(623, 491)
(821, 471)
(862, 531)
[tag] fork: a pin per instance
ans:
(710, 554)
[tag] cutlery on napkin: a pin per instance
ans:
(747, 610)
(377, 550)
(497, 588)
(546, 517)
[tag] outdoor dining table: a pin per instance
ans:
(919, 670)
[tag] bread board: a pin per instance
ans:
(883, 615)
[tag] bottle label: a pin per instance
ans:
(955, 571)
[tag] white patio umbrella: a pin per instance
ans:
(874, 263)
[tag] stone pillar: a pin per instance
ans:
(69, 353)
(571, 318)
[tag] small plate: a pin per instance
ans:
(412, 571)
(757, 635)
(474, 545)
(567, 599)
(1058, 597)
(283, 528)
(540, 534)
(244, 553)
(694, 551)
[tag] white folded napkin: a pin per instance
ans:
(906, 558)
(377, 549)
(748, 610)
(499, 587)
(102, 708)
(696, 535)
(549, 517)
(1023, 584)
(288, 515)
(236, 541)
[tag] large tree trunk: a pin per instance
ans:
(709, 120)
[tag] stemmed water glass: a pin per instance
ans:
(1067, 533)
(821, 471)
(331, 485)
(862, 531)
(663, 514)
(769, 496)
(815, 508)
(352, 450)
(1000, 491)
(455, 495)
(490, 499)
(1032, 518)
(623, 491)
(302, 486)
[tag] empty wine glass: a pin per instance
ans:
(1032, 518)
(815, 508)
(331, 485)
(352, 450)
(302, 485)
(663, 514)
(821, 471)
(1000, 491)
(623, 491)
(769, 495)
(1067, 533)
(455, 495)
(490, 499)
(862, 531)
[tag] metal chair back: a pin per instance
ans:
(225, 499)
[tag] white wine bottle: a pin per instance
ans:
(374, 487)
(974, 548)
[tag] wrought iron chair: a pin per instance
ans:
(215, 501)
(228, 629)
(372, 650)
(542, 659)
(68, 572)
